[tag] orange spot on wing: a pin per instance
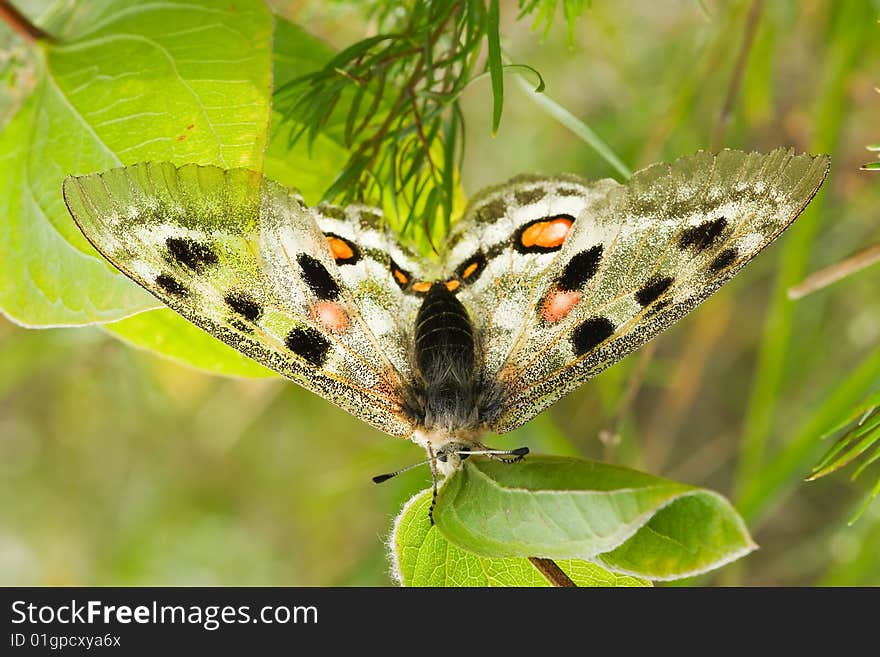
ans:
(452, 285)
(470, 269)
(421, 287)
(546, 234)
(400, 276)
(558, 304)
(330, 315)
(339, 248)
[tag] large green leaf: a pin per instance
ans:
(307, 169)
(186, 82)
(423, 557)
(565, 508)
(165, 332)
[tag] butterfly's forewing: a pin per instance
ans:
(241, 257)
(636, 258)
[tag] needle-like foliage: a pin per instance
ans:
(393, 98)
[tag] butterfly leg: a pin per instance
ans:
(432, 459)
(504, 456)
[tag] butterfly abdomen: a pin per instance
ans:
(445, 358)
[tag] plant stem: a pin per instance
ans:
(833, 273)
(736, 79)
(549, 569)
(578, 127)
(21, 25)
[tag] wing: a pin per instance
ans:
(244, 259)
(568, 276)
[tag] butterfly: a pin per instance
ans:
(544, 282)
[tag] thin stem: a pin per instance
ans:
(19, 23)
(610, 436)
(553, 573)
(574, 124)
(833, 273)
(736, 79)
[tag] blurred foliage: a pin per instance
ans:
(857, 435)
(120, 468)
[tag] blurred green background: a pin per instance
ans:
(118, 467)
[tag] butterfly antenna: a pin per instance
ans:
(378, 479)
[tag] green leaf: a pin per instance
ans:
(858, 431)
(52, 276)
(166, 333)
(45, 280)
(578, 127)
(295, 53)
(566, 508)
(861, 430)
(185, 82)
(496, 70)
(421, 556)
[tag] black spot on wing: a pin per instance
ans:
(580, 269)
(318, 278)
(652, 289)
(527, 196)
(657, 307)
(332, 211)
(309, 344)
(243, 304)
(190, 253)
(171, 285)
(703, 236)
(370, 219)
(591, 333)
(723, 260)
(239, 325)
(470, 269)
(491, 211)
(401, 276)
